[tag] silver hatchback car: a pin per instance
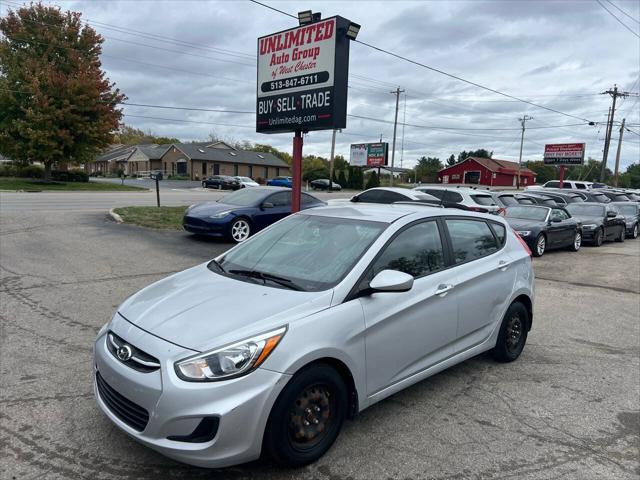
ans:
(272, 345)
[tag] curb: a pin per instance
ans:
(117, 218)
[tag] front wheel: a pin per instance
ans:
(598, 238)
(540, 246)
(307, 416)
(240, 230)
(204, 185)
(513, 334)
(577, 242)
(634, 231)
(621, 236)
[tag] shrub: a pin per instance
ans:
(342, 179)
(373, 181)
(31, 171)
(8, 171)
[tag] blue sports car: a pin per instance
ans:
(281, 182)
(243, 212)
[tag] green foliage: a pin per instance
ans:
(339, 163)
(543, 172)
(356, 178)
(314, 167)
(56, 106)
(342, 179)
(373, 180)
(132, 136)
(631, 177)
(37, 172)
(451, 160)
(70, 175)
(427, 169)
(481, 152)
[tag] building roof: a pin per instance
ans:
(117, 153)
(153, 151)
(495, 165)
(221, 152)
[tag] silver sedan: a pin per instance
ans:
(273, 344)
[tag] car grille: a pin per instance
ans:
(130, 413)
(139, 360)
(194, 221)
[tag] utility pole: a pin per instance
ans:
(333, 149)
(397, 93)
(615, 174)
(614, 94)
(523, 122)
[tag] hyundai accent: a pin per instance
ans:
(270, 346)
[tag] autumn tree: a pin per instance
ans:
(56, 105)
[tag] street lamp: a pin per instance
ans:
(306, 17)
(352, 31)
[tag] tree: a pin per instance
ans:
(427, 169)
(451, 160)
(481, 152)
(56, 105)
(631, 177)
(373, 181)
(131, 136)
(543, 172)
(342, 179)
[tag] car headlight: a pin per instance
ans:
(220, 214)
(231, 361)
(189, 208)
(589, 226)
(524, 233)
(103, 329)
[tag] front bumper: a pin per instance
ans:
(588, 235)
(176, 407)
(204, 227)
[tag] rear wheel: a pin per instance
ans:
(540, 245)
(634, 231)
(513, 333)
(204, 184)
(307, 416)
(621, 236)
(577, 242)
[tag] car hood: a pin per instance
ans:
(586, 219)
(523, 224)
(210, 208)
(199, 309)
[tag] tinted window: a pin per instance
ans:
(588, 210)
(371, 196)
(556, 212)
(309, 200)
(526, 201)
(575, 199)
(416, 251)
(550, 203)
(471, 239)
(508, 200)
(528, 213)
(450, 196)
(281, 199)
(620, 197)
(500, 232)
(581, 186)
(244, 197)
(628, 209)
(390, 197)
(483, 199)
(599, 197)
(552, 185)
(436, 193)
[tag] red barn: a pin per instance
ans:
(486, 171)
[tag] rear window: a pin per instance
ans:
(483, 199)
(581, 186)
(508, 200)
(470, 239)
(526, 201)
(575, 199)
(550, 203)
(436, 193)
(620, 197)
(599, 197)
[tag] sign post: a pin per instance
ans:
(563, 154)
(302, 82)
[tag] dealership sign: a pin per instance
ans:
(369, 154)
(564, 154)
(302, 78)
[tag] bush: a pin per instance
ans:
(69, 176)
(8, 171)
(30, 171)
(342, 179)
(373, 181)
(178, 177)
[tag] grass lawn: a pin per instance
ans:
(29, 184)
(169, 218)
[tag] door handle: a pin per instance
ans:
(503, 265)
(443, 288)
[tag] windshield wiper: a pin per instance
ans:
(218, 266)
(285, 282)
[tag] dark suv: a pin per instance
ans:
(221, 182)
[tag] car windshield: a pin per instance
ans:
(633, 196)
(599, 197)
(575, 199)
(244, 179)
(426, 197)
(312, 252)
(587, 210)
(244, 198)
(620, 197)
(508, 200)
(528, 213)
(628, 209)
(483, 199)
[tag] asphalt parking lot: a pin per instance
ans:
(568, 408)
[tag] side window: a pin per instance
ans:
(390, 197)
(281, 199)
(450, 196)
(416, 251)
(309, 200)
(471, 239)
(436, 193)
(552, 184)
(556, 212)
(500, 231)
(372, 196)
(526, 201)
(581, 186)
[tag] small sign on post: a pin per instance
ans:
(563, 154)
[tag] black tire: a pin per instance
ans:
(540, 245)
(598, 238)
(577, 242)
(620, 237)
(240, 229)
(204, 185)
(513, 333)
(285, 435)
(634, 231)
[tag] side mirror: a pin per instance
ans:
(556, 219)
(354, 198)
(391, 281)
(267, 205)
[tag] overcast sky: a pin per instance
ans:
(560, 54)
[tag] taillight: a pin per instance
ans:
(502, 211)
(523, 243)
(477, 209)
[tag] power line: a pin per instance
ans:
(623, 12)
(274, 9)
(191, 109)
(617, 19)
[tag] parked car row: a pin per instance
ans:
(226, 182)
